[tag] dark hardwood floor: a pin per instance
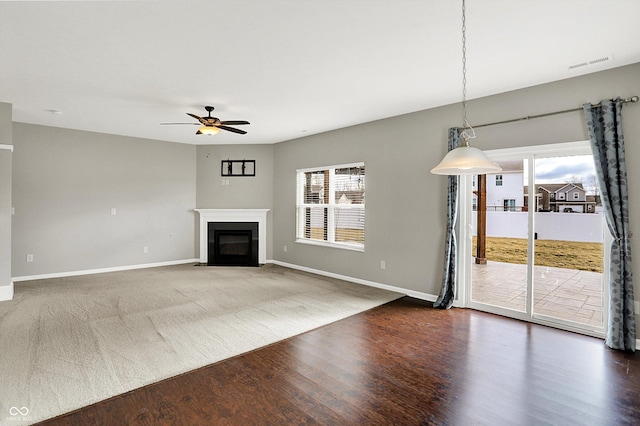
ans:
(402, 363)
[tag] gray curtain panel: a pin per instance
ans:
(604, 123)
(448, 291)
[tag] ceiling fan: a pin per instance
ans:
(212, 125)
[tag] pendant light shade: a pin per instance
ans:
(465, 160)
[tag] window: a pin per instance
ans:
(576, 195)
(498, 180)
(509, 205)
(330, 206)
(560, 195)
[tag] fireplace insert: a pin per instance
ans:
(233, 244)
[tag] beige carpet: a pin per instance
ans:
(68, 342)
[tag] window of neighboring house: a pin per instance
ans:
(576, 195)
(475, 204)
(331, 206)
(498, 180)
(509, 205)
(560, 195)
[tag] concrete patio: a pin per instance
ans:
(567, 294)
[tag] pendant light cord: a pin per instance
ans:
(465, 123)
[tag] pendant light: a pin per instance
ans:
(465, 160)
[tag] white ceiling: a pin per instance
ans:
(291, 68)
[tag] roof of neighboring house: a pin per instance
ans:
(554, 187)
(571, 186)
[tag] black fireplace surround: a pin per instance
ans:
(232, 244)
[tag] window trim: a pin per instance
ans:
(330, 217)
(343, 246)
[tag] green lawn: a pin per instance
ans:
(560, 254)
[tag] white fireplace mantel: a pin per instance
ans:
(233, 215)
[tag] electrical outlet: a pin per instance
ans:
(146, 249)
(29, 258)
(113, 211)
(383, 264)
(637, 305)
(285, 248)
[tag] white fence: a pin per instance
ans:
(347, 218)
(583, 227)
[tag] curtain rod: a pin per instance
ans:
(633, 99)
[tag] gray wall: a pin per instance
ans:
(241, 192)
(406, 205)
(65, 183)
(403, 209)
(6, 138)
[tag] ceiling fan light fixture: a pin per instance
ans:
(208, 130)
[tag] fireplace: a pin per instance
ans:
(208, 216)
(233, 243)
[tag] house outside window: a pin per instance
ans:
(576, 195)
(509, 205)
(330, 206)
(498, 180)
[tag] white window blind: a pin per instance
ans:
(331, 206)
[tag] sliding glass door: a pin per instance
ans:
(533, 238)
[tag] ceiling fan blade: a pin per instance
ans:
(191, 124)
(200, 119)
(231, 129)
(235, 122)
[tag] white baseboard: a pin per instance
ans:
(6, 292)
(103, 270)
(411, 293)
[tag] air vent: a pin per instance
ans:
(591, 62)
(597, 61)
(582, 64)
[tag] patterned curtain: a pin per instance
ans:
(604, 123)
(448, 291)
